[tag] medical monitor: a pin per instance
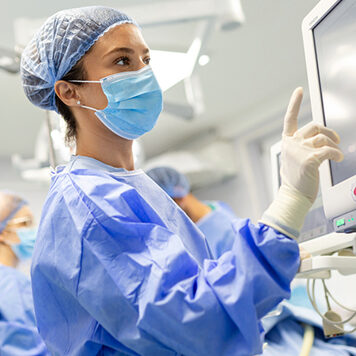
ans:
(329, 34)
(317, 234)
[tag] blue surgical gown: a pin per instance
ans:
(18, 332)
(119, 269)
(283, 333)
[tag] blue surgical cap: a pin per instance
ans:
(175, 184)
(59, 44)
(10, 204)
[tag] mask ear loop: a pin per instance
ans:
(86, 107)
(85, 81)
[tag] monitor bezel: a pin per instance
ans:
(332, 195)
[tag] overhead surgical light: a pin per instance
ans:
(204, 60)
(173, 67)
(231, 14)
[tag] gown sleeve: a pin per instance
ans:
(143, 287)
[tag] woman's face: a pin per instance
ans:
(121, 49)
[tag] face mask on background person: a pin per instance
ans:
(24, 249)
(21, 238)
(134, 102)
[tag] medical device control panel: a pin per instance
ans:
(345, 223)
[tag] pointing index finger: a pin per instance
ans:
(291, 118)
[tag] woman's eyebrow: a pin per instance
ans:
(124, 50)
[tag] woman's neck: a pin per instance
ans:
(107, 148)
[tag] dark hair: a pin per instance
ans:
(76, 73)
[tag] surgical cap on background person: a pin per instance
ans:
(59, 44)
(10, 204)
(175, 184)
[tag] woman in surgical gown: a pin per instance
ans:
(118, 268)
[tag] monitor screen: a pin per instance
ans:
(335, 45)
(315, 224)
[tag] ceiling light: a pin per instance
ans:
(204, 60)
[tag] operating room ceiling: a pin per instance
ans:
(251, 68)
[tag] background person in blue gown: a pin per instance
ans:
(18, 331)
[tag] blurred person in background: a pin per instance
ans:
(18, 331)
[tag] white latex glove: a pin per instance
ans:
(303, 151)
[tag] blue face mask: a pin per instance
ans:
(24, 249)
(134, 102)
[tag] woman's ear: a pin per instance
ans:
(67, 92)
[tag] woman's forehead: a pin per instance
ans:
(24, 211)
(125, 35)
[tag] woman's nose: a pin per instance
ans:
(141, 64)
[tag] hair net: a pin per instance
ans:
(59, 44)
(175, 184)
(10, 204)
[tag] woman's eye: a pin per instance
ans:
(147, 60)
(123, 61)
